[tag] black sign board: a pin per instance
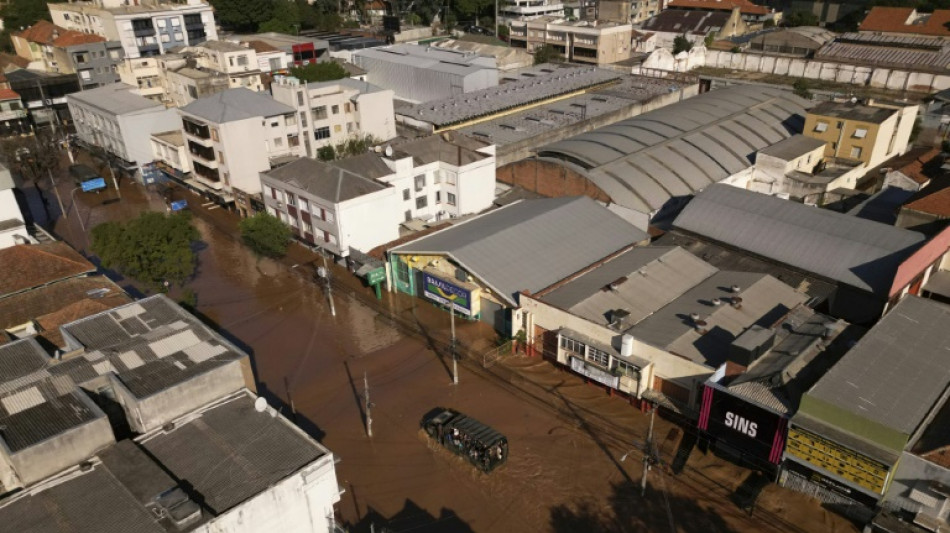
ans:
(746, 427)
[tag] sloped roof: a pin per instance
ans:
(117, 99)
(896, 373)
(324, 180)
(934, 199)
(914, 164)
(236, 104)
(31, 265)
(45, 32)
(686, 21)
(679, 149)
(532, 244)
(850, 250)
(895, 20)
(261, 47)
(745, 6)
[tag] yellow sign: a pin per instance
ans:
(839, 460)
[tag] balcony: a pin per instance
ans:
(205, 153)
(207, 174)
(201, 131)
(193, 22)
(143, 28)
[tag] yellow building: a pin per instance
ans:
(868, 132)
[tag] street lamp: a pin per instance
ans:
(78, 214)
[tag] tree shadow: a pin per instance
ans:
(626, 511)
(410, 518)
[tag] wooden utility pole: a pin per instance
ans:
(369, 406)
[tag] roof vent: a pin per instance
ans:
(716, 302)
(168, 427)
(735, 289)
(615, 284)
(85, 466)
(698, 323)
(737, 302)
(617, 318)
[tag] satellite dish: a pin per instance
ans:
(260, 404)
(389, 151)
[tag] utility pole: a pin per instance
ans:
(369, 406)
(455, 359)
(648, 453)
(325, 274)
(112, 174)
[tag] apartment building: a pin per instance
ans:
(869, 132)
(113, 118)
(53, 49)
(235, 135)
(13, 116)
(337, 110)
(594, 41)
(144, 75)
(145, 28)
(211, 67)
(523, 10)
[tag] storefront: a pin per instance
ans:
(603, 364)
(752, 433)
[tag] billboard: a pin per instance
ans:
(446, 293)
(744, 426)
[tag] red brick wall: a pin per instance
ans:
(550, 179)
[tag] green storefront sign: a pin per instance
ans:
(375, 277)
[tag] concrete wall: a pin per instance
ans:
(64, 450)
(511, 152)
(146, 414)
(301, 503)
(137, 132)
(878, 78)
(375, 114)
(370, 220)
(475, 190)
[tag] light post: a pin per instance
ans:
(649, 454)
(78, 214)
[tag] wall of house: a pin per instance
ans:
(137, 132)
(370, 220)
(475, 187)
(375, 114)
(301, 502)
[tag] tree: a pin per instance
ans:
(802, 88)
(546, 54)
(354, 145)
(326, 153)
(243, 15)
(800, 18)
(323, 71)
(285, 18)
(681, 44)
(708, 40)
(20, 14)
(265, 235)
(153, 248)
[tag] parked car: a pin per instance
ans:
(484, 447)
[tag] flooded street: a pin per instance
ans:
(563, 475)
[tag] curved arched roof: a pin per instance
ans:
(680, 149)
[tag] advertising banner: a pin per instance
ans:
(446, 293)
(744, 426)
(597, 374)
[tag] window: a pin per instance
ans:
(626, 369)
(291, 199)
(221, 157)
(322, 133)
(214, 134)
(450, 198)
(336, 109)
(573, 345)
(346, 107)
(176, 23)
(438, 197)
(406, 195)
(291, 120)
(299, 95)
(420, 182)
(293, 140)
(114, 54)
(408, 215)
(303, 119)
(179, 36)
(320, 113)
(304, 205)
(85, 74)
(349, 127)
(450, 178)
(278, 142)
(856, 152)
(860, 133)
(166, 38)
(821, 126)
(337, 128)
(598, 357)
(421, 202)
(308, 227)
(242, 60)
(328, 216)
(81, 58)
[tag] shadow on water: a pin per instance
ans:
(278, 403)
(410, 518)
(627, 511)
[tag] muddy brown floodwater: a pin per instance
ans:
(564, 474)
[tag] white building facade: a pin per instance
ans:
(148, 29)
(335, 111)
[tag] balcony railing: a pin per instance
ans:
(198, 130)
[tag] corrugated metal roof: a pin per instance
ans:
(850, 250)
(532, 244)
(895, 375)
(677, 150)
(652, 277)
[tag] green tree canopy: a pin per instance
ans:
(354, 145)
(152, 248)
(265, 235)
(802, 88)
(19, 14)
(243, 15)
(546, 54)
(285, 18)
(800, 18)
(323, 71)
(681, 44)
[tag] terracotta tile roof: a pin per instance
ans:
(31, 265)
(380, 251)
(918, 169)
(10, 61)
(9, 94)
(895, 20)
(934, 199)
(45, 32)
(50, 323)
(745, 7)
